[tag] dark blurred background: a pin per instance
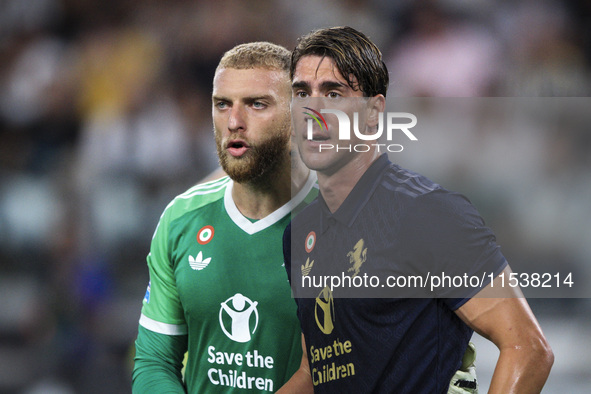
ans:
(105, 116)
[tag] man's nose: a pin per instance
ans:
(236, 120)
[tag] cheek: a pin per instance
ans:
(217, 134)
(218, 123)
(273, 122)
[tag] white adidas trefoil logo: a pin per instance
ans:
(197, 263)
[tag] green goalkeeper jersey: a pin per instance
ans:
(218, 278)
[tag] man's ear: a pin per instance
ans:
(375, 106)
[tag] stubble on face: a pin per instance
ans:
(261, 162)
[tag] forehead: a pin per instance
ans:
(317, 68)
(251, 82)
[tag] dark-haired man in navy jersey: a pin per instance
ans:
(375, 219)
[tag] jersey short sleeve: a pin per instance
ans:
(451, 237)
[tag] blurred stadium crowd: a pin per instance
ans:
(105, 116)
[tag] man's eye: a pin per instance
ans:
(301, 94)
(333, 95)
(221, 105)
(258, 104)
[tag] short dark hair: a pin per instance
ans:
(353, 53)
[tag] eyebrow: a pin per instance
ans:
(247, 99)
(250, 99)
(300, 84)
(324, 86)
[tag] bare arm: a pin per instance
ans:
(503, 316)
(301, 381)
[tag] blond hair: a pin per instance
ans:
(256, 55)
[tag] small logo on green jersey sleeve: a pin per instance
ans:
(147, 295)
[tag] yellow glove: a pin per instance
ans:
(464, 381)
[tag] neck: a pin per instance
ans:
(335, 187)
(260, 198)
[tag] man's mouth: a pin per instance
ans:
(237, 147)
(318, 137)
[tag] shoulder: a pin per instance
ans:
(196, 197)
(418, 201)
(407, 182)
(421, 190)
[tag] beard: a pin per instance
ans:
(260, 162)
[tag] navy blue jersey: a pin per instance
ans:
(393, 223)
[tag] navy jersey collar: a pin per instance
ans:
(357, 198)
